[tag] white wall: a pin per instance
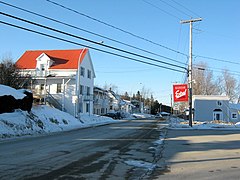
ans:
(86, 82)
(203, 109)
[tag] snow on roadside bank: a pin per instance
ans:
(177, 123)
(44, 119)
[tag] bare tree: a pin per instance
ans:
(11, 76)
(228, 85)
(113, 87)
(145, 92)
(204, 83)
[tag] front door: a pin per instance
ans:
(217, 115)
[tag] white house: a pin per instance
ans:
(126, 106)
(100, 101)
(64, 78)
(114, 101)
(208, 108)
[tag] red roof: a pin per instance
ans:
(63, 59)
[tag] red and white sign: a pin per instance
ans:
(180, 92)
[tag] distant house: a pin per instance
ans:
(63, 78)
(100, 101)
(138, 106)
(114, 101)
(127, 106)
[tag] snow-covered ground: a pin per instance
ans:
(176, 123)
(44, 119)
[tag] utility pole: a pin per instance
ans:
(190, 68)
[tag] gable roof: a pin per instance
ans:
(63, 59)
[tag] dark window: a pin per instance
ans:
(88, 91)
(234, 115)
(81, 89)
(42, 86)
(89, 74)
(59, 88)
(88, 107)
(82, 71)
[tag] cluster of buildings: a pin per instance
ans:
(65, 80)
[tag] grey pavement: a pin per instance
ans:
(200, 154)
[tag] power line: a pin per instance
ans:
(216, 59)
(186, 8)
(214, 69)
(176, 8)
(153, 5)
(212, 58)
(109, 25)
(84, 30)
(97, 49)
(88, 40)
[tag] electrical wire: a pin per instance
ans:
(88, 40)
(217, 70)
(216, 59)
(176, 8)
(153, 5)
(87, 46)
(109, 25)
(186, 8)
(87, 31)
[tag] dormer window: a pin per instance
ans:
(42, 67)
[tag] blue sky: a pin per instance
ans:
(217, 36)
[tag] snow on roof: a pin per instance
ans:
(63, 59)
(210, 97)
(6, 90)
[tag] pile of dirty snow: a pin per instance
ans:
(177, 123)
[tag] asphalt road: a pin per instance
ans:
(200, 154)
(104, 152)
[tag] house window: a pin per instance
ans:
(234, 115)
(42, 67)
(219, 103)
(88, 91)
(111, 107)
(102, 110)
(59, 88)
(82, 71)
(89, 74)
(42, 86)
(81, 89)
(87, 107)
